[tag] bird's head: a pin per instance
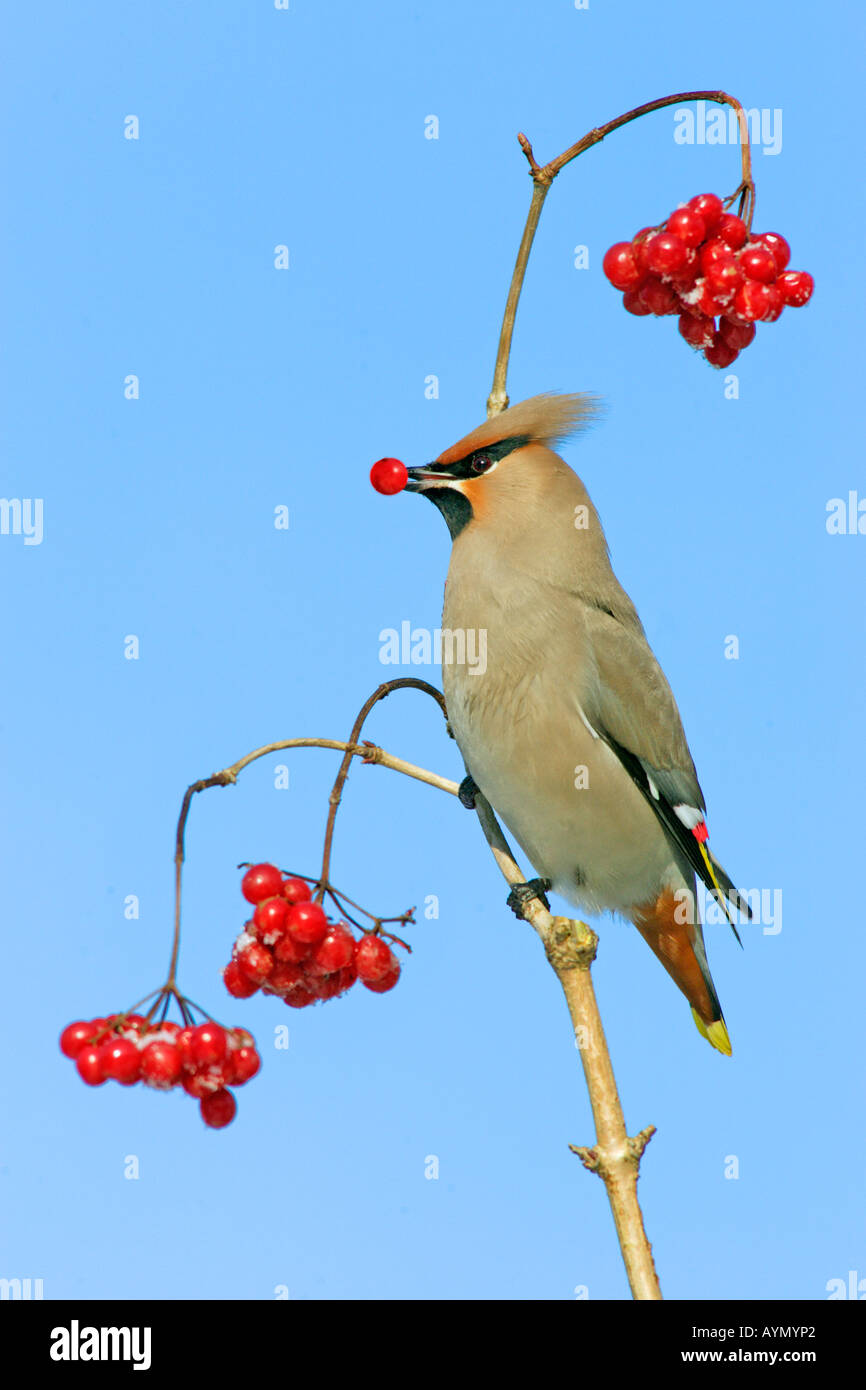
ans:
(506, 464)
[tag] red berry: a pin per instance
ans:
(387, 981)
(733, 230)
(758, 263)
(121, 1060)
(307, 922)
(74, 1037)
(336, 949)
(327, 986)
(288, 951)
(208, 1045)
(796, 287)
(237, 983)
(698, 332)
(633, 302)
(685, 277)
(255, 962)
(299, 998)
(778, 246)
(638, 246)
(701, 301)
(260, 882)
(620, 266)
(709, 207)
(736, 335)
(244, 1062)
(183, 1043)
(269, 918)
(389, 476)
(665, 254)
(688, 225)
(714, 250)
(348, 975)
(295, 890)
(218, 1110)
(160, 1065)
(204, 1083)
(90, 1065)
(658, 297)
(724, 276)
(719, 353)
(374, 958)
(283, 977)
(752, 300)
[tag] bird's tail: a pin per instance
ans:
(671, 927)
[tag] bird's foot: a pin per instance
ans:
(467, 791)
(523, 893)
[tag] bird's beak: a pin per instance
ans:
(427, 476)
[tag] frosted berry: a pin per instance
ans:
(688, 225)
(778, 246)
(269, 918)
(698, 332)
(260, 882)
(208, 1045)
(796, 287)
(307, 923)
(299, 998)
(336, 949)
(386, 982)
(736, 335)
(757, 262)
(724, 275)
(752, 300)
(658, 297)
(775, 306)
(732, 229)
(243, 1063)
(719, 353)
(160, 1065)
(633, 302)
(290, 951)
(239, 985)
(219, 1109)
(255, 962)
(665, 254)
(620, 266)
(389, 476)
(374, 958)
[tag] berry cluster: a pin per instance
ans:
(204, 1060)
(289, 947)
(703, 265)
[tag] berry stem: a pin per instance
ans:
(404, 683)
(542, 178)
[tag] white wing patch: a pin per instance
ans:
(689, 815)
(586, 722)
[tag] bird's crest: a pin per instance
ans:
(543, 419)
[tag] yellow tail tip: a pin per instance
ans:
(716, 1033)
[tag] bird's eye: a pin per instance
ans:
(480, 463)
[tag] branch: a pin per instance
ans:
(542, 178)
(571, 948)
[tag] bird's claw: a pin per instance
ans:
(467, 792)
(523, 893)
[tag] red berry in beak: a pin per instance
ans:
(389, 476)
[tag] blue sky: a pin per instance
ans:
(260, 388)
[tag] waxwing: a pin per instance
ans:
(568, 726)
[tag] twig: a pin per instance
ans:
(543, 176)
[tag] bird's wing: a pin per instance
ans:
(630, 705)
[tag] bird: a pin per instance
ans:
(569, 727)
